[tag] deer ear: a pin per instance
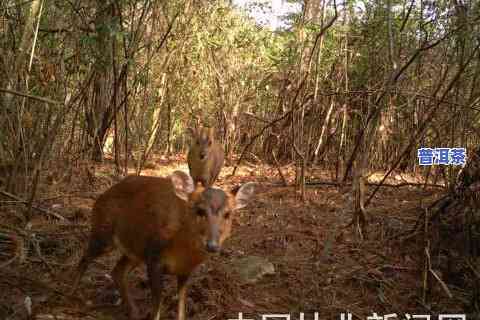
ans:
(244, 195)
(182, 184)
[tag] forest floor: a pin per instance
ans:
(320, 266)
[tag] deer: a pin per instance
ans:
(205, 157)
(170, 224)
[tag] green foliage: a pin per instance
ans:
(217, 59)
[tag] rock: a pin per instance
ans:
(252, 268)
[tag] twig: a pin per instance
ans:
(475, 271)
(277, 165)
(427, 264)
(6, 263)
(323, 30)
(377, 108)
(270, 124)
(427, 120)
(30, 96)
(403, 184)
(255, 117)
(442, 284)
(297, 92)
(49, 212)
(40, 256)
(9, 274)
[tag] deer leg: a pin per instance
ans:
(182, 296)
(120, 273)
(155, 272)
(98, 244)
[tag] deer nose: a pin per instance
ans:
(212, 246)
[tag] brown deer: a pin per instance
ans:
(205, 157)
(168, 223)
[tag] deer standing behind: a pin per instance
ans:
(168, 223)
(205, 157)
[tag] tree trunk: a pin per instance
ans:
(99, 116)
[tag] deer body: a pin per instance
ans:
(124, 211)
(166, 223)
(205, 157)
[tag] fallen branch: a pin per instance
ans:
(25, 202)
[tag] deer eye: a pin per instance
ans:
(226, 215)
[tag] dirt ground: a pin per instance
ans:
(319, 264)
